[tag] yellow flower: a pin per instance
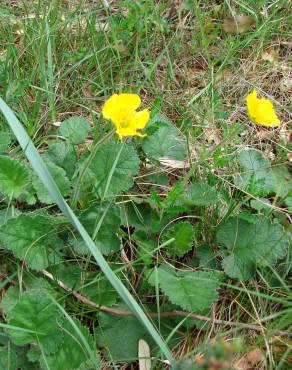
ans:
(261, 110)
(121, 110)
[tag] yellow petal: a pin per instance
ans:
(251, 100)
(120, 102)
(110, 106)
(129, 101)
(129, 131)
(141, 118)
(261, 110)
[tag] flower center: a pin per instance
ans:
(125, 119)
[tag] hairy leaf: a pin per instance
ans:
(10, 299)
(71, 354)
(206, 257)
(6, 214)
(120, 335)
(5, 139)
(183, 233)
(157, 121)
(37, 320)
(140, 216)
(32, 238)
(283, 183)
(63, 155)
(193, 291)
(75, 129)
(99, 291)
(61, 179)
(166, 142)
(8, 358)
(113, 168)
(92, 285)
(250, 244)
(199, 194)
(105, 238)
(256, 177)
(14, 177)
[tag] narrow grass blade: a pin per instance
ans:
(43, 173)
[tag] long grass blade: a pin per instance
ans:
(43, 173)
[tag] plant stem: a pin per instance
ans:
(175, 313)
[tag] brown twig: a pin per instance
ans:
(175, 313)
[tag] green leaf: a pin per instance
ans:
(75, 129)
(113, 176)
(120, 335)
(6, 214)
(99, 291)
(32, 238)
(173, 195)
(37, 320)
(283, 183)
(23, 362)
(71, 354)
(63, 155)
(260, 204)
(10, 299)
(5, 139)
(248, 245)
(14, 177)
(139, 216)
(257, 177)
(106, 239)
(91, 285)
(199, 194)
(8, 359)
(207, 257)
(61, 179)
(166, 142)
(34, 354)
(253, 159)
(288, 202)
(183, 233)
(193, 291)
(159, 120)
(145, 246)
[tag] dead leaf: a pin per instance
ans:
(224, 74)
(101, 26)
(144, 355)
(270, 56)
(212, 134)
(250, 360)
(3, 54)
(174, 163)
(57, 123)
(239, 24)
(285, 133)
(286, 83)
(217, 8)
(279, 347)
